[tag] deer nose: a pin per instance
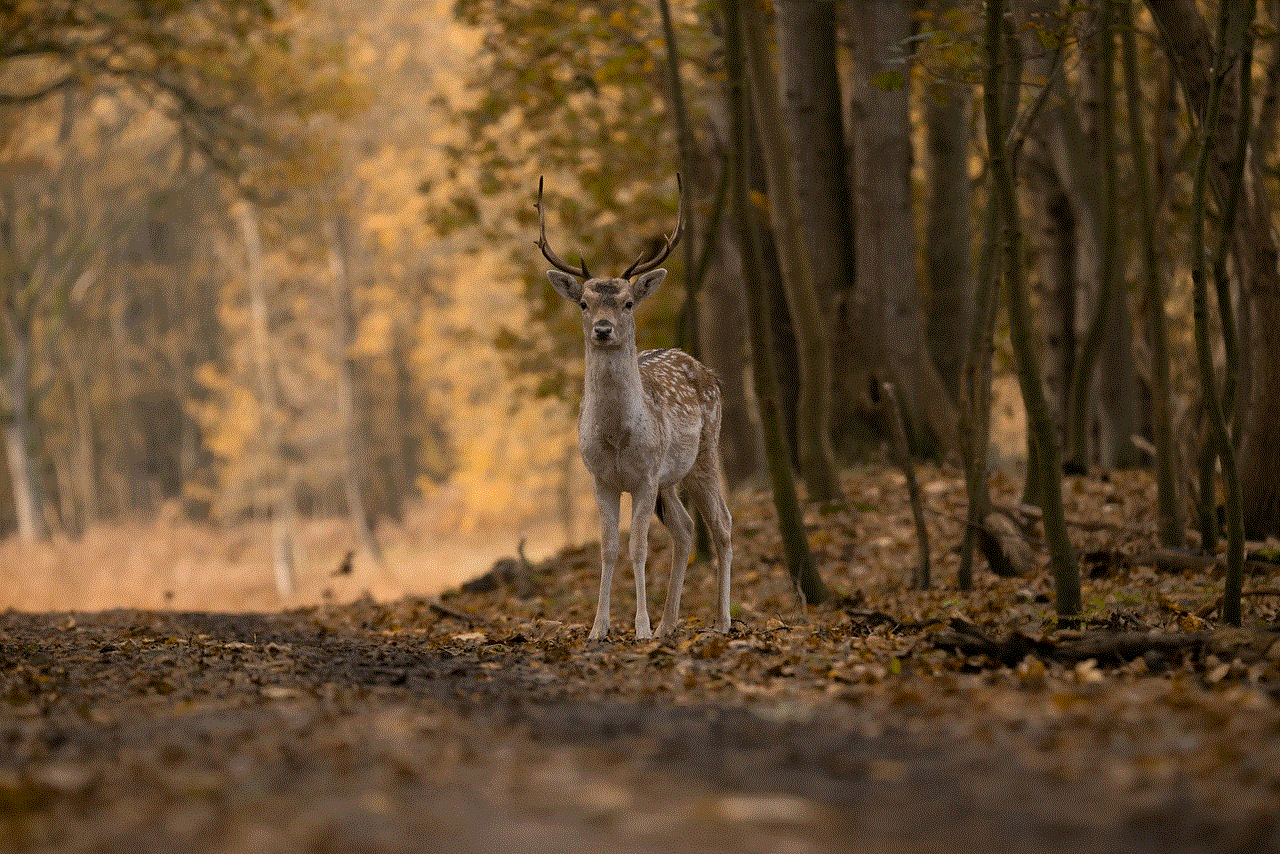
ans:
(603, 331)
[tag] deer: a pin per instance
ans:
(649, 424)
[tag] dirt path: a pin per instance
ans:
(301, 732)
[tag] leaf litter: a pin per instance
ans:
(891, 717)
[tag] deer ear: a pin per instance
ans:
(648, 283)
(567, 286)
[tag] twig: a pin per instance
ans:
(445, 611)
(898, 434)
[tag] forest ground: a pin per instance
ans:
(892, 720)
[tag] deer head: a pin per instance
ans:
(608, 304)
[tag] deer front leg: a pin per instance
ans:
(642, 502)
(608, 502)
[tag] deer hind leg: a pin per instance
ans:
(642, 502)
(705, 489)
(680, 525)
(608, 504)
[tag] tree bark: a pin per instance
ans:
(948, 233)
(886, 240)
(813, 346)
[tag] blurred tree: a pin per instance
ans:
(228, 74)
(948, 234)
(886, 237)
(1186, 39)
(806, 36)
(1154, 290)
(1047, 454)
(810, 323)
(153, 96)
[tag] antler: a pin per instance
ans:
(639, 268)
(541, 243)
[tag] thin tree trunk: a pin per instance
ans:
(790, 523)
(813, 348)
(17, 433)
(1065, 572)
(283, 513)
(1106, 356)
(902, 456)
(1120, 400)
(1264, 134)
(1208, 385)
(685, 156)
(1170, 513)
(353, 447)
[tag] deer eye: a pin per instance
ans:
(629, 304)
(583, 305)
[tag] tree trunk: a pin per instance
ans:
(283, 512)
(1187, 40)
(1048, 454)
(1057, 235)
(352, 444)
(886, 241)
(1120, 403)
(790, 522)
(813, 346)
(947, 231)
(815, 130)
(1170, 514)
(1264, 134)
(724, 333)
(17, 433)
(686, 154)
(726, 345)
(1106, 361)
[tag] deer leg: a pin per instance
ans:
(680, 526)
(708, 497)
(642, 501)
(608, 503)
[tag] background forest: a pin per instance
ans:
(270, 293)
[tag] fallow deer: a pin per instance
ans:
(650, 423)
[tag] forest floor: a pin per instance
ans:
(892, 720)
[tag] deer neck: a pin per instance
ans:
(613, 391)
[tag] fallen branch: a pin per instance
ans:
(1104, 646)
